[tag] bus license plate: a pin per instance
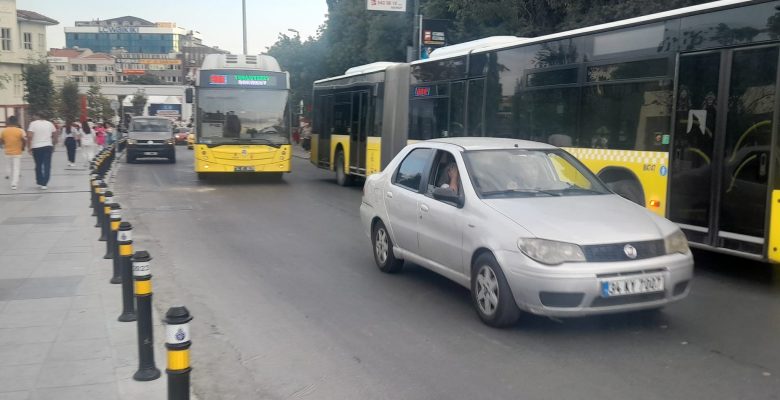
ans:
(244, 169)
(634, 285)
(150, 153)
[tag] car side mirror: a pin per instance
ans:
(448, 195)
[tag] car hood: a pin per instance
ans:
(149, 135)
(582, 220)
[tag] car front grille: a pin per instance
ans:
(617, 251)
(153, 142)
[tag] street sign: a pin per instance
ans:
(114, 105)
(386, 5)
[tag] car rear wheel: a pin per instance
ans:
(491, 294)
(383, 250)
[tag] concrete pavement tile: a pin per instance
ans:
(86, 302)
(125, 354)
(122, 332)
(51, 318)
(59, 259)
(77, 372)
(102, 391)
(37, 288)
(21, 251)
(87, 349)
(65, 219)
(18, 377)
(75, 249)
(22, 354)
(84, 316)
(66, 270)
(92, 330)
(131, 389)
(34, 305)
(37, 334)
(8, 287)
(23, 395)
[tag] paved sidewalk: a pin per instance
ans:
(59, 334)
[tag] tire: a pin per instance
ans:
(341, 175)
(130, 158)
(201, 176)
(172, 159)
(383, 250)
(490, 293)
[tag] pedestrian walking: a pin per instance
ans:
(42, 136)
(71, 134)
(12, 138)
(88, 143)
(100, 134)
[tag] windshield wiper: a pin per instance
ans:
(510, 191)
(577, 187)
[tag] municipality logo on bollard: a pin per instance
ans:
(180, 335)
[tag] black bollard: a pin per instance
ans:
(92, 195)
(177, 341)
(142, 275)
(114, 216)
(116, 219)
(105, 223)
(125, 240)
(101, 191)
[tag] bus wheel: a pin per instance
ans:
(341, 175)
(201, 176)
(630, 191)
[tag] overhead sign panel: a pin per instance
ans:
(386, 5)
(243, 79)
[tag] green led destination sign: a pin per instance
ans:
(244, 79)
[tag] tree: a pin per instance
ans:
(94, 104)
(139, 102)
(39, 88)
(144, 80)
(70, 106)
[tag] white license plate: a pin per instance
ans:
(633, 285)
(244, 169)
(150, 153)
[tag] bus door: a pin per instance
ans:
(325, 111)
(722, 147)
(358, 131)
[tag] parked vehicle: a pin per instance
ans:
(525, 226)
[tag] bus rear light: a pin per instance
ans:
(655, 203)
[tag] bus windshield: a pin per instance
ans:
(243, 115)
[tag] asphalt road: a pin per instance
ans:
(289, 304)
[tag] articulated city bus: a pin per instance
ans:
(242, 116)
(675, 111)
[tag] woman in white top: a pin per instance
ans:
(88, 143)
(71, 133)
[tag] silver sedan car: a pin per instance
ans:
(524, 226)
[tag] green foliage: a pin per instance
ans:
(145, 79)
(98, 106)
(354, 36)
(69, 104)
(39, 88)
(139, 102)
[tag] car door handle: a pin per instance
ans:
(424, 208)
(389, 195)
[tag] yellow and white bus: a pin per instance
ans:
(675, 111)
(242, 118)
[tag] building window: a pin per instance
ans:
(60, 68)
(90, 79)
(41, 42)
(17, 85)
(5, 37)
(92, 67)
(27, 36)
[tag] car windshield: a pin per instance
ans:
(243, 115)
(529, 173)
(150, 125)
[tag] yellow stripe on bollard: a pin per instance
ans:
(102, 198)
(107, 210)
(114, 225)
(178, 359)
(143, 287)
(126, 250)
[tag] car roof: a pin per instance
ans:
(487, 143)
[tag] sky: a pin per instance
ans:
(218, 21)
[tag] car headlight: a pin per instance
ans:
(676, 243)
(170, 141)
(550, 252)
(130, 141)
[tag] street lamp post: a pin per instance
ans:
(243, 9)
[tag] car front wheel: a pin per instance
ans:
(491, 294)
(383, 250)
